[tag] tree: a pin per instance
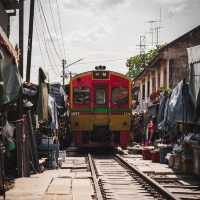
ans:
(136, 64)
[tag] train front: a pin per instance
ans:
(100, 105)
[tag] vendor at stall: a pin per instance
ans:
(151, 126)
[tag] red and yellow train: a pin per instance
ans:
(100, 108)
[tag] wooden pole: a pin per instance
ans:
(30, 38)
(63, 74)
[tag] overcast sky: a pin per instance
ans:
(103, 32)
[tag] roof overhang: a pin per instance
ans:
(4, 41)
(10, 4)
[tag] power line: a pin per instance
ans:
(94, 62)
(39, 42)
(45, 44)
(98, 61)
(49, 50)
(46, 50)
(54, 23)
(61, 31)
(48, 30)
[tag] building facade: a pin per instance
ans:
(166, 69)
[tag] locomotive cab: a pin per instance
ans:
(100, 108)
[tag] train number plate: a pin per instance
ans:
(100, 75)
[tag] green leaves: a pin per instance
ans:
(136, 64)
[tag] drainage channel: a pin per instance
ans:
(114, 179)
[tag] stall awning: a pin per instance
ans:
(6, 43)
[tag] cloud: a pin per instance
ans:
(174, 2)
(93, 4)
(173, 6)
(89, 35)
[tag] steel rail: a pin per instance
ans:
(95, 179)
(152, 182)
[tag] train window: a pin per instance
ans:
(81, 95)
(119, 95)
(100, 96)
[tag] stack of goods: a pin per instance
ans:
(136, 149)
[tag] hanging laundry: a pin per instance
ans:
(53, 112)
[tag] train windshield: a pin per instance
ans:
(100, 96)
(81, 95)
(120, 95)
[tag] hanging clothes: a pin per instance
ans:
(8, 134)
(42, 105)
(194, 65)
(162, 104)
(10, 81)
(53, 112)
(56, 91)
(180, 106)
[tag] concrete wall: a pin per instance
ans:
(159, 74)
(4, 20)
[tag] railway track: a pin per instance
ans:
(115, 179)
(183, 186)
(176, 185)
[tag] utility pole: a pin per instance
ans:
(21, 36)
(30, 38)
(151, 31)
(142, 46)
(63, 72)
(155, 26)
(157, 30)
(64, 67)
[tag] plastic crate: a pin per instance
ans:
(146, 153)
(155, 156)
